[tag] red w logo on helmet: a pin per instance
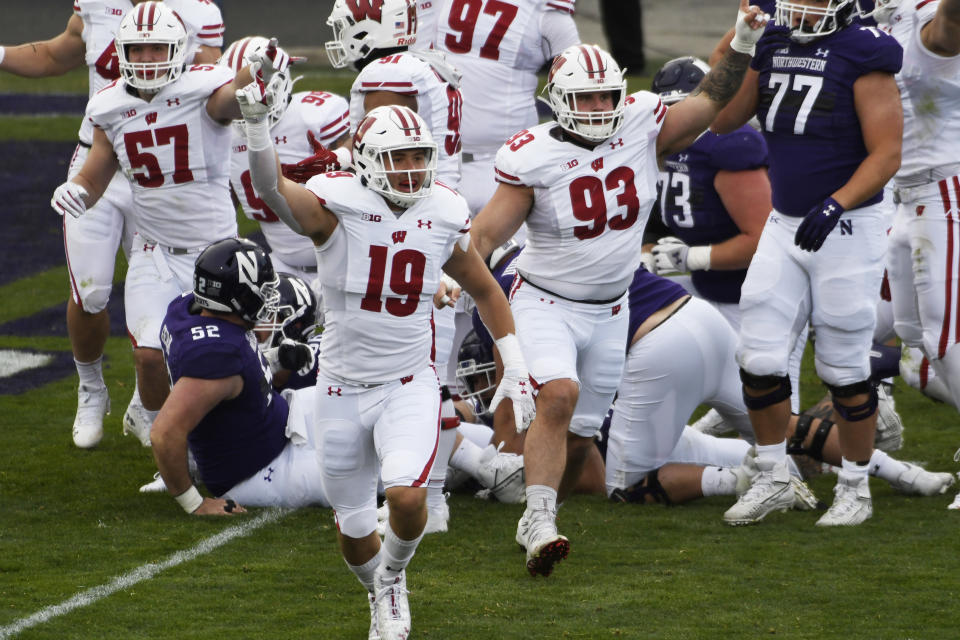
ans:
(372, 9)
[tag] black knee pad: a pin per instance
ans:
(649, 487)
(860, 411)
(781, 390)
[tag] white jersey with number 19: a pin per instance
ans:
(379, 271)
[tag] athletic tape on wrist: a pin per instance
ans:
(190, 499)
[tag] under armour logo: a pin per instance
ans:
(615, 310)
(425, 223)
(334, 392)
(148, 247)
(829, 210)
(683, 157)
(823, 53)
(269, 476)
(173, 101)
(618, 143)
(279, 139)
(523, 388)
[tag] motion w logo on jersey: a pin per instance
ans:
(372, 9)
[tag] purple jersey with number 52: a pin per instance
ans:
(240, 436)
(806, 107)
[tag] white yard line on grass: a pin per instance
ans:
(144, 572)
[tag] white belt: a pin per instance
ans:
(152, 245)
(912, 194)
(466, 156)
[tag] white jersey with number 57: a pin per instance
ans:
(176, 157)
(101, 18)
(325, 114)
(591, 203)
(379, 271)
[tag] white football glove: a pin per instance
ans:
(69, 198)
(672, 255)
(750, 25)
(255, 101)
(269, 62)
(515, 384)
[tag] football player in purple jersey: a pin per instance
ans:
(823, 89)
(222, 405)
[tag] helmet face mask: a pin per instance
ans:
(362, 26)
(295, 314)
(582, 73)
(811, 19)
(395, 155)
(882, 11)
(146, 25)
(239, 55)
(235, 275)
(677, 78)
(476, 374)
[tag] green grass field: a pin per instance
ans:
(83, 555)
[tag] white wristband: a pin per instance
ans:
(698, 258)
(258, 135)
(3, 52)
(190, 499)
(510, 353)
(344, 157)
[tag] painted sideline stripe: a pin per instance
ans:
(144, 572)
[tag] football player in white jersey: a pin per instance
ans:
(91, 242)
(166, 125)
(374, 38)
(298, 122)
(381, 239)
(502, 45)
(584, 187)
(921, 257)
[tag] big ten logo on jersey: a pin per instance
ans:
(112, 11)
(129, 113)
(371, 217)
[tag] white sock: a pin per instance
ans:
(478, 434)
(466, 457)
(396, 553)
(718, 481)
(851, 471)
(365, 571)
(447, 439)
(884, 467)
(91, 373)
(435, 497)
(776, 452)
(540, 496)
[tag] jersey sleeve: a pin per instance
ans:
(324, 113)
(214, 359)
(205, 20)
(517, 160)
(741, 150)
(877, 51)
(564, 6)
(457, 214)
(387, 76)
(649, 111)
(557, 29)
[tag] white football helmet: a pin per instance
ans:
(581, 69)
(360, 26)
(383, 131)
(238, 55)
(151, 23)
(830, 18)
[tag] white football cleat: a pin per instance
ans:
(919, 482)
(771, 490)
(503, 475)
(92, 405)
(374, 633)
(889, 434)
(852, 504)
(393, 610)
(136, 421)
(157, 485)
(537, 533)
